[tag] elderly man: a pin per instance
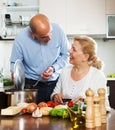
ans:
(43, 49)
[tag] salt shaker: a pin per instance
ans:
(97, 111)
(101, 93)
(89, 109)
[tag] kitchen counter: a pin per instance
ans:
(27, 122)
(110, 79)
(111, 85)
(4, 97)
(2, 89)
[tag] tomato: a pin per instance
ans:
(55, 104)
(70, 104)
(50, 104)
(24, 110)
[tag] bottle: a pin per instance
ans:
(80, 116)
(76, 117)
(73, 118)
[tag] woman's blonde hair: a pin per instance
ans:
(89, 46)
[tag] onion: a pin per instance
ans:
(31, 107)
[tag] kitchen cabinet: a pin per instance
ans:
(86, 17)
(110, 6)
(76, 16)
(3, 100)
(111, 84)
(55, 11)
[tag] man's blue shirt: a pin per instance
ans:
(36, 57)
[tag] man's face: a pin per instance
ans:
(43, 37)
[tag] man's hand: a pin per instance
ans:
(12, 77)
(47, 73)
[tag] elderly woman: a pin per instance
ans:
(83, 73)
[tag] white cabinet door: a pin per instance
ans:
(55, 10)
(110, 6)
(85, 16)
(76, 16)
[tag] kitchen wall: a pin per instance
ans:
(5, 52)
(106, 52)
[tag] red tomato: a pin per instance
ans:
(50, 104)
(55, 104)
(24, 110)
(70, 104)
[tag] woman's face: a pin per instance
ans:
(76, 54)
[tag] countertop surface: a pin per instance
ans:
(110, 79)
(2, 89)
(27, 122)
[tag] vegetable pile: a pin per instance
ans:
(53, 109)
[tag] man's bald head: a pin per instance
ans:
(40, 28)
(40, 24)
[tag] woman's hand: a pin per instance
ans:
(80, 98)
(58, 98)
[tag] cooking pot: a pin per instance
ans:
(18, 94)
(21, 96)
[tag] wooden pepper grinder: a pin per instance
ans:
(97, 112)
(101, 93)
(89, 109)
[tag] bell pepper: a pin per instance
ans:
(59, 112)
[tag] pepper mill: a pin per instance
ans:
(101, 93)
(97, 113)
(89, 109)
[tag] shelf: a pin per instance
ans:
(106, 39)
(7, 38)
(21, 8)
